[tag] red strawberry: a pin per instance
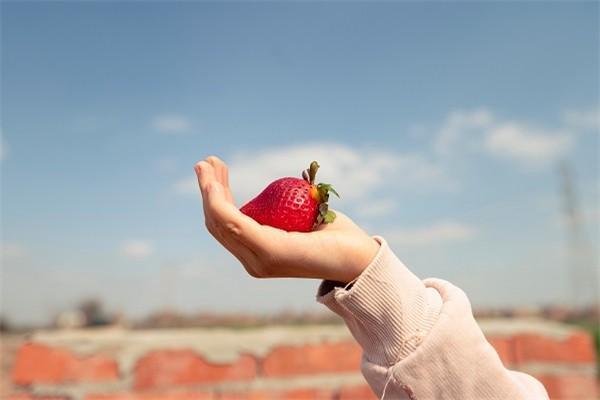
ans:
(293, 204)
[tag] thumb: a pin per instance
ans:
(230, 221)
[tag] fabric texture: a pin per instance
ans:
(419, 338)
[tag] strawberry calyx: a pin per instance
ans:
(321, 194)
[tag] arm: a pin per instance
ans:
(419, 338)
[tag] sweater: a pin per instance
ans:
(419, 338)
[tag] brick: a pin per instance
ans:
(362, 392)
(504, 348)
(37, 363)
(297, 394)
(305, 394)
(312, 359)
(574, 387)
(254, 395)
(153, 396)
(25, 396)
(577, 348)
(163, 368)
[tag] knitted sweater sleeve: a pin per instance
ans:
(419, 338)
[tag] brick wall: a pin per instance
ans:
(317, 362)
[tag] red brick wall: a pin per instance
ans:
(318, 369)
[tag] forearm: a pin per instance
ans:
(420, 338)
(388, 309)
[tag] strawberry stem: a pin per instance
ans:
(305, 175)
(325, 215)
(312, 172)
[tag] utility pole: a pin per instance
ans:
(581, 266)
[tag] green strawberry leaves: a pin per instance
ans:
(329, 217)
(324, 189)
(325, 215)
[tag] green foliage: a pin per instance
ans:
(329, 217)
(324, 189)
(325, 214)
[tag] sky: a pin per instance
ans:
(442, 125)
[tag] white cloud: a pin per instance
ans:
(525, 144)
(376, 207)
(583, 119)
(171, 123)
(136, 249)
(462, 128)
(480, 131)
(356, 174)
(438, 233)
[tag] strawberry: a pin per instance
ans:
(293, 204)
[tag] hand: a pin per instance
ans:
(339, 251)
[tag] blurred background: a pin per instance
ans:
(466, 134)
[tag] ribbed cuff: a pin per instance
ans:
(387, 308)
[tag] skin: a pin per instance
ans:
(339, 251)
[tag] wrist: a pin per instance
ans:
(360, 259)
(387, 304)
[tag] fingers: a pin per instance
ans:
(217, 210)
(228, 221)
(222, 175)
(206, 174)
(219, 167)
(218, 214)
(212, 180)
(223, 219)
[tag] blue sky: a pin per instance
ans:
(442, 126)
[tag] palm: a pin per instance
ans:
(337, 251)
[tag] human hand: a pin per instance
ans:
(338, 251)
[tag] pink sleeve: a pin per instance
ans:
(419, 338)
